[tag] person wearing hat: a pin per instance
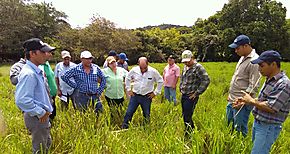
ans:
(142, 91)
(171, 75)
(86, 76)
(64, 91)
(111, 53)
(246, 77)
(122, 61)
(193, 82)
(114, 92)
(50, 81)
(272, 106)
(32, 97)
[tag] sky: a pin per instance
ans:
(131, 14)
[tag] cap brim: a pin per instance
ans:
(47, 49)
(66, 56)
(257, 61)
(233, 45)
(185, 60)
(88, 57)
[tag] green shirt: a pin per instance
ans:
(115, 82)
(50, 78)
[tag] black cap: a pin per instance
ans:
(113, 53)
(267, 56)
(36, 44)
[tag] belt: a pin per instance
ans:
(142, 95)
(89, 94)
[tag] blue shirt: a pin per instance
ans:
(31, 95)
(86, 83)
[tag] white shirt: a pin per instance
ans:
(59, 70)
(143, 83)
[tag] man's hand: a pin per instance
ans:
(238, 103)
(192, 96)
(44, 117)
(151, 95)
(247, 98)
(59, 93)
(130, 93)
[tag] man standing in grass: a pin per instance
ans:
(171, 75)
(31, 95)
(86, 76)
(194, 81)
(64, 91)
(245, 78)
(272, 106)
(143, 78)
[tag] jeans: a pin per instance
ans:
(188, 106)
(82, 102)
(135, 101)
(240, 122)
(264, 135)
(170, 94)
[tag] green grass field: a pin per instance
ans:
(74, 132)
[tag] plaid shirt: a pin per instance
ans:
(194, 79)
(276, 91)
(86, 83)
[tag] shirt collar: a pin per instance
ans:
(33, 66)
(252, 54)
(277, 76)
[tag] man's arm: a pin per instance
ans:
(204, 79)
(69, 74)
(159, 80)
(102, 86)
(24, 96)
(254, 77)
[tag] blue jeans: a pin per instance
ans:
(240, 122)
(135, 101)
(264, 135)
(188, 106)
(170, 94)
(82, 102)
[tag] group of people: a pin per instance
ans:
(37, 85)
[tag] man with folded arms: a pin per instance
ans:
(86, 76)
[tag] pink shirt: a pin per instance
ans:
(170, 75)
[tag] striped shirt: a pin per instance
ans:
(86, 83)
(15, 70)
(194, 79)
(276, 92)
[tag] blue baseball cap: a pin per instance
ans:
(267, 56)
(240, 40)
(123, 56)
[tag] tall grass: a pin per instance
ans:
(75, 132)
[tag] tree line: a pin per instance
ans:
(264, 21)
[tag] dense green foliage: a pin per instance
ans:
(264, 21)
(73, 132)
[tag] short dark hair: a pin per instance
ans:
(278, 62)
(27, 54)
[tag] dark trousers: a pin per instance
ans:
(53, 113)
(64, 104)
(135, 101)
(115, 106)
(188, 106)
